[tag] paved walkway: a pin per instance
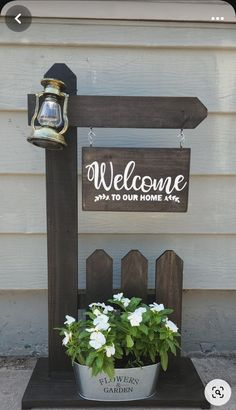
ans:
(15, 373)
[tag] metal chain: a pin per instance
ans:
(91, 135)
(182, 138)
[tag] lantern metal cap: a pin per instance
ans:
(53, 86)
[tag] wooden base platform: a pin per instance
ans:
(180, 386)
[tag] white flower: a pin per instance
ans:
(171, 325)
(118, 297)
(140, 310)
(110, 350)
(97, 304)
(135, 318)
(125, 301)
(97, 340)
(108, 308)
(66, 338)
(90, 330)
(157, 308)
(96, 312)
(101, 322)
(101, 318)
(69, 320)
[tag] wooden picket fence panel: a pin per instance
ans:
(134, 280)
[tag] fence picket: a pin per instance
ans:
(99, 267)
(134, 269)
(169, 283)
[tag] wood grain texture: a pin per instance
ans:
(179, 386)
(209, 198)
(134, 275)
(213, 144)
(149, 166)
(125, 34)
(23, 258)
(99, 270)
(169, 284)
(62, 232)
(131, 112)
(128, 71)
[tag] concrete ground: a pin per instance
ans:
(15, 373)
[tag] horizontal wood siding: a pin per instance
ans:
(213, 144)
(211, 209)
(123, 58)
(124, 71)
(209, 260)
(123, 34)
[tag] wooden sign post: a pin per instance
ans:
(62, 232)
(49, 386)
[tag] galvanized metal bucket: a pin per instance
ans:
(128, 384)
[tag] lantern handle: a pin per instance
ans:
(38, 95)
(65, 118)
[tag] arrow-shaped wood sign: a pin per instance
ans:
(131, 112)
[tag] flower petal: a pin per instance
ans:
(118, 296)
(110, 350)
(69, 320)
(157, 308)
(171, 325)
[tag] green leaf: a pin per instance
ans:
(164, 360)
(129, 341)
(133, 331)
(95, 370)
(152, 356)
(99, 362)
(151, 335)
(108, 368)
(90, 358)
(134, 302)
(119, 350)
(143, 329)
(158, 320)
(83, 334)
(91, 315)
(166, 311)
(172, 346)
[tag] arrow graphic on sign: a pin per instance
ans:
(17, 18)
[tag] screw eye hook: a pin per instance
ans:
(91, 135)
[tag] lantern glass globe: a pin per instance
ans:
(50, 113)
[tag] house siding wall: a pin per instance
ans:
(123, 58)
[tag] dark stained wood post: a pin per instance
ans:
(62, 232)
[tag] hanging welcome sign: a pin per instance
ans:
(135, 179)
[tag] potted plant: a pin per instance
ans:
(117, 351)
